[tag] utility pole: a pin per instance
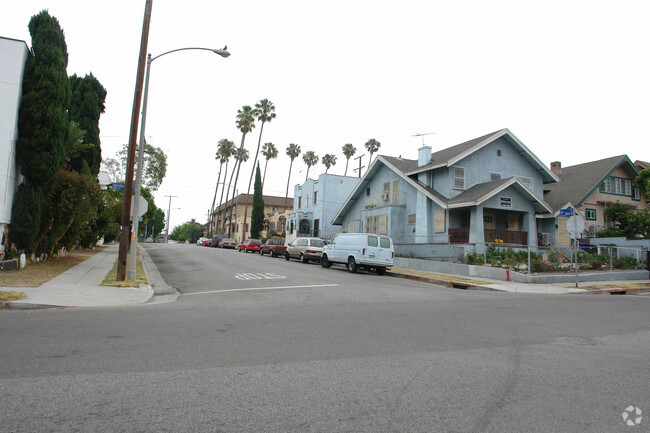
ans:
(169, 211)
(360, 167)
(128, 182)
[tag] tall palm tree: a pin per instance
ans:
(240, 156)
(348, 150)
(264, 112)
(245, 123)
(328, 161)
(373, 146)
(225, 150)
(293, 150)
(310, 158)
(270, 152)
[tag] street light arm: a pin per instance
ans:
(222, 53)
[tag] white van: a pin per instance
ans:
(359, 250)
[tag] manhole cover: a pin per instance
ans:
(575, 341)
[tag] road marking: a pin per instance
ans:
(259, 276)
(261, 288)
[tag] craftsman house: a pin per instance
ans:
(590, 188)
(459, 198)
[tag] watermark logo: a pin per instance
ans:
(632, 415)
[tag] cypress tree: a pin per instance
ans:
(257, 215)
(86, 106)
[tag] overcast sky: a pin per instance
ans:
(569, 78)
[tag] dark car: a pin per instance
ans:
(214, 242)
(275, 247)
(252, 245)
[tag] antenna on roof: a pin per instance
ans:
(422, 135)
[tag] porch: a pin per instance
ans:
(515, 237)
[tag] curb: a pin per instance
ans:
(618, 290)
(446, 283)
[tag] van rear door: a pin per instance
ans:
(372, 249)
(385, 251)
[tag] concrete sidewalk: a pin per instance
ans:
(79, 286)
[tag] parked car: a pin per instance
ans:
(357, 250)
(227, 243)
(214, 242)
(275, 247)
(202, 241)
(305, 249)
(252, 245)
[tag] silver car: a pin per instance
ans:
(305, 249)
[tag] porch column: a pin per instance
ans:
(421, 215)
(476, 232)
(532, 228)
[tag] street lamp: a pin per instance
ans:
(138, 181)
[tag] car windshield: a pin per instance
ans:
(256, 242)
(317, 243)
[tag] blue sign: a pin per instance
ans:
(565, 212)
(117, 186)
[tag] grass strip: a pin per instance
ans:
(140, 275)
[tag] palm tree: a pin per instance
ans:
(310, 158)
(328, 161)
(373, 146)
(264, 112)
(240, 157)
(270, 152)
(293, 150)
(245, 123)
(348, 150)
(225, 150)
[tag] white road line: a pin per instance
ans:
(261, 288)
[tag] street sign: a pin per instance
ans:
(566, 212)
(117, 186)
(142, 209)
(575, 223)
(205, 232)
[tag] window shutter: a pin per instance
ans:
(351, 227)
(439, 221)
(395, 192)
(383, 224)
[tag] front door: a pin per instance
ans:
(489, 221)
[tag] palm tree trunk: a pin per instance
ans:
(225, 175)
(228, 194)
(234, 186)
(250, 180)
(214, 200)
(347, 161)
(264, 177)
(286, 195)
(307, 177)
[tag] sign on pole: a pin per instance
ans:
(566, 212)
(575, 225)
(143, 207)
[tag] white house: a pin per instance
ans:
(13, 56)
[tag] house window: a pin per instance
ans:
(627, 185)
(495, 176)
(590, 214)
(368, 192)
(396, 192)
(315, 197)
(618, 185)
(636, 193)
(606, 186)
(459, 177)
(498, 152)
(299, 202)
(528, 181)
(372, 223)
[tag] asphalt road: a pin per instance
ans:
(257, 344)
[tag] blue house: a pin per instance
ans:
(486, 189)
(315, 203)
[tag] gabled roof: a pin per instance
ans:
(397, 165)
(481, 192)
(580, 181)
(451, 155)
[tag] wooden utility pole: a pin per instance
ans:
(135, 115)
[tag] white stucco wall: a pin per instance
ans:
(13, 55)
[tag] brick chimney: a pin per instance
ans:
(556, 168)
